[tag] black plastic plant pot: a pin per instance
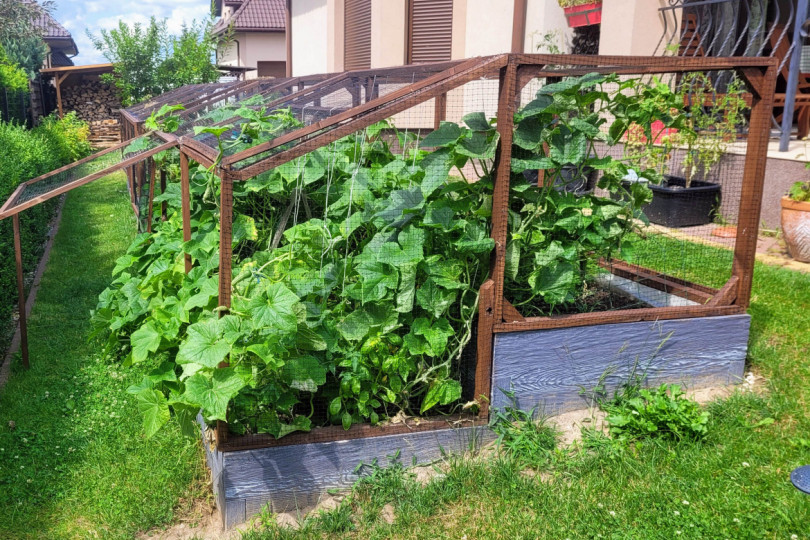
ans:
(674, 205)
(568, 181)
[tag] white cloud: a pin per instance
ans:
(78, 16)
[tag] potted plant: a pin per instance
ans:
(703, 134)
(582, 12)
(796, 220)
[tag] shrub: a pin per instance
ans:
(27, 154)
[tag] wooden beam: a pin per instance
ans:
(727, 295)
(507, 104)
(58, 80)
(358, 109)
(149, 214)
(185, 202)
(20, 291)
(618, 316)
(85, 180)
(510, 314)
(439, 110)
(484, 345)
(382, 109)
(658, 281)
(753, 181)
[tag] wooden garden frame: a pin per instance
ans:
(496, 314)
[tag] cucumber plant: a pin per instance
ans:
(356, 267)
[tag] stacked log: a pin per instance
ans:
(92, 100)
(97, 104)
(105, 133)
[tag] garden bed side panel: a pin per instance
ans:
(557, 370)
(295, 477)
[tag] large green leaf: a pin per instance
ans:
(304, 373)
(274, 308)
(437, 167)
(434, 299)
(477, 121)
(154, 409)
(203, 345)
(213, 393)
(442, 392)
(144, 340)
(447, 134)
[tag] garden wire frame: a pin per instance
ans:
(334, 106)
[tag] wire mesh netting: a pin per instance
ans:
(321, 103)
(51, 184)
(637, 195)
(184, 95)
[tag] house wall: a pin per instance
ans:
(310, 43)
(388, 27)
(249, 48)
(630, 28)
(262, 46)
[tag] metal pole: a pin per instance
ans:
(793, 75)
(20, 290)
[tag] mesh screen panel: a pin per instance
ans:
(85, 168)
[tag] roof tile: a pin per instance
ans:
(256, 15)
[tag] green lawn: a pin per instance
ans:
(77, 464)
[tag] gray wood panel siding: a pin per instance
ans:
(550, 369)
(294, 478)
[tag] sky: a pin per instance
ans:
(79, 15)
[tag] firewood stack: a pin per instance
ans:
(97, 104)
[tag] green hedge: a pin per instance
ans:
(26, 154)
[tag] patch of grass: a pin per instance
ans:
(77, 464)
(734, 483)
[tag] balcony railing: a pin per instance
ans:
(746, 28)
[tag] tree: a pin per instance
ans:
(20, 36)
(149, 61)
(27, 52)
(18, 18)
(12, 77)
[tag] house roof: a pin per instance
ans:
(255, 16)
(55, 35)
(60, 59)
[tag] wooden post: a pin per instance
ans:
(185, 196)
(149, 214)
(59, 79)
(484, 346)
(503, 170)
(439, 110)
(490, 302)
(225, 277)
(225, 240)
(20, 290)
(163, 205)
(745, 247)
